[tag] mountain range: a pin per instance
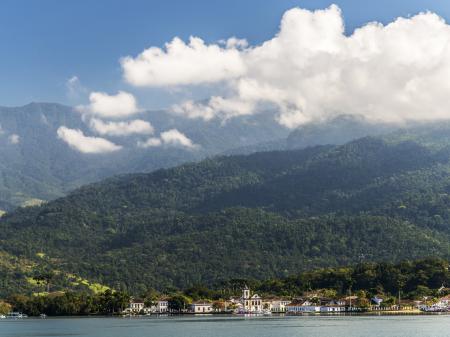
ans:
(267, 214)
(38, 166)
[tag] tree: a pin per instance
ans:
(5, 308)
(150, 298)
(121, 301)
(45, 277)
(218, 306)
(179, 303)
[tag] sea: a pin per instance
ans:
(232, 326)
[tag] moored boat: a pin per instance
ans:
(16, 315)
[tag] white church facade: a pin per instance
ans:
(251, 303)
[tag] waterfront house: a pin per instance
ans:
(333, 307)
(161, 306)
(201, 308)
(302, 307)
(136, 306)
(276, 305)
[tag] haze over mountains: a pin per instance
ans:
(39, 166)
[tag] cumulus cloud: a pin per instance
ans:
(171, 137)
(191, 109)
(184, 64)
(310, 70)
(151, 142)
(78, 141)
(176, 138)
(121, 105)
(127, 128)
(14, 139)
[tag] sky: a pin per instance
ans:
(60, 51)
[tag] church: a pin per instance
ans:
(251, 303)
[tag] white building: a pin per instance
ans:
(251, 303)
(302, 307)
(277, 305)
(332, 308)
(136, 306)
(162, 306)
(201, 308)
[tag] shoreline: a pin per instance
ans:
(143, 317)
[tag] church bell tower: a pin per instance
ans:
(246, 292)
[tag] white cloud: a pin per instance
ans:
(190, 109)
(310, 70)
(78, 141)
(234, 42)
(151, 142)
(74, 88)
(171, 137)
(121, 105)
(136, 126)
(14, 139)
(176, 138)
(181, 63)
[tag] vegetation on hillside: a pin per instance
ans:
(259, 216)
(424, 280)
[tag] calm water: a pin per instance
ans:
(375, 326)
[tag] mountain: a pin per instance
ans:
(38, 166)
(262, 215)
(337, 131)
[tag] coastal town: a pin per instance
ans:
(250, 303)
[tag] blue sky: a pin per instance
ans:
(45, 42)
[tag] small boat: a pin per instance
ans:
(2, 316)
(267, 312)
(43, 316)
(16, 315)
(434, 308)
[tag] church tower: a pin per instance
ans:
(246, 292)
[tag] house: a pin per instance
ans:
(302, 307)
(276, 305)
(136, 306)
(201, 307)
(162, 306)
(333, 306)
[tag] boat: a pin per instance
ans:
(241, 311)
(2, 316)
(16, 315)
(434, 308)
(43, 316)
(267, 312)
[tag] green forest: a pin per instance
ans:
(259, 216)
(415, 280)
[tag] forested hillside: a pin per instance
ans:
(263, 215)
(38, 166)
